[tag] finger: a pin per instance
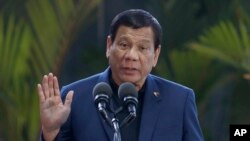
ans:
(40, 93)
(51, 85)
(45, 86)
(56, 86)
(69, 98)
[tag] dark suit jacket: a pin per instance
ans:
(169, 112)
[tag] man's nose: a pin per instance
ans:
(132, 54)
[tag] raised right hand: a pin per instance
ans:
(53, 112)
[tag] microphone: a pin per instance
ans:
(128, 94)
(102, 93)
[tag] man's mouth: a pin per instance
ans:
(129, 71)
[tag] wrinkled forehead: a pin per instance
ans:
(144, 34)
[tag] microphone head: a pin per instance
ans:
(102, 91)
(128, 93)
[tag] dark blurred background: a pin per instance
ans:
(206, 46)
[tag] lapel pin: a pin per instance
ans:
(156, 94)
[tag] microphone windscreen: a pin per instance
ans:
(102, 88)
(127, 89)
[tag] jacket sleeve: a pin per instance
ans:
(191, 127)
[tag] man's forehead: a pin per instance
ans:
(143, 34)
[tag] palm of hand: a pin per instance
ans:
(54, 113)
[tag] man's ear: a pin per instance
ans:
(157, 54)
(108, 45)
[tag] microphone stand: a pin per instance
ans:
(128, 119)
(116, 127)
(114, 122)
(117, 134)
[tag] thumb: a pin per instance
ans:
(69, 98)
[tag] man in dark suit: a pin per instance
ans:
(166, 110)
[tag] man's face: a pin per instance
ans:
(132, 55)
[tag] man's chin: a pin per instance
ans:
(130, 79)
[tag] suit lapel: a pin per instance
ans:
(151, 109)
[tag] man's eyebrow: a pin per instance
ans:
(125, 37)
(144, 41)
(122, 38)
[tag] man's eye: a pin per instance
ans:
(143, 48)
(123, 45)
